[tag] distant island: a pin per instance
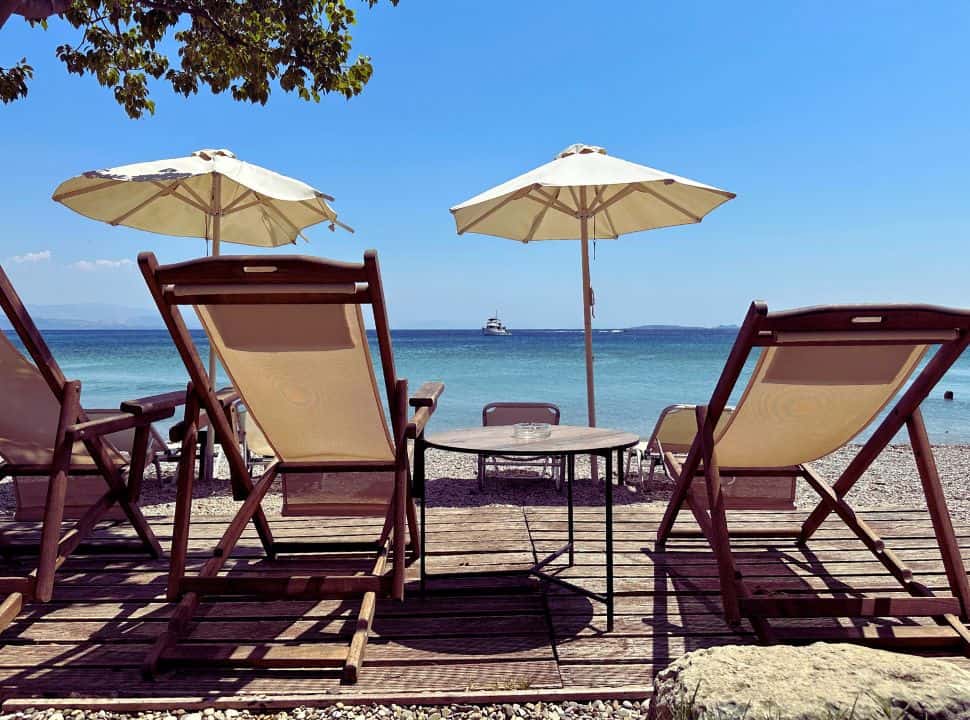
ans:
(683, 327)
(95, 316)
(106, 316)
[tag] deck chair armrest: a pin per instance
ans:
(145, 405)
(114, 423)
(426, 402)
(227, 396)
(427, 395)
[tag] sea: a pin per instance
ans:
(638, 372)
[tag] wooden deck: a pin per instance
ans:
(476, 640)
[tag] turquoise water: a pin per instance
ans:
(637, 372)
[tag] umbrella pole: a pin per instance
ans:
(588, 324)
(216, 237)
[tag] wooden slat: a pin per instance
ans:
(471, 638)
(814, 606)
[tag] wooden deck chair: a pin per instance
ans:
(824, 374)
(290, 334)
(45, 432)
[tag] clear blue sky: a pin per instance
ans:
(844, 128)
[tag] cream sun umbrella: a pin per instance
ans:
(209, 194)
(586, 194)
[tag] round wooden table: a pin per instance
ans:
(567, 441)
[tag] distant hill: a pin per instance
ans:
(94, 316)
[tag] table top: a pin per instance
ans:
(564, 439)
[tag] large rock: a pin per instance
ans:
(824, 680)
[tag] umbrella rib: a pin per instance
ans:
(240, 208)
(557, 204)
(315, 208)
(238, 199)
(609, 221)
(541, 214)
(670, 203)
(85, 190)
(333, 219)
(345, 226)
(269, 204)
(188, 201)
(165, 190)
(522, 192)
(617, 196)
(579, 206)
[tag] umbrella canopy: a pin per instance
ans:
(618, 196)
(584, 194)
(209, 194)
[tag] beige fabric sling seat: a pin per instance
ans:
(674, 434)
(823, 376)
(48, 441)
(290, 334)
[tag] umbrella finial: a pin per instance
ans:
(208, 154)
(581, 149)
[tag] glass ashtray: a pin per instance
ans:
(531, 430)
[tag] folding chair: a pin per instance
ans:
(823, 375)
(289, 332)
(44, 432)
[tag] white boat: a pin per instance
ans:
(494, 326)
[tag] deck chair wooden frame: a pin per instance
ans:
(73, 426)
(287, 280)
(835, 326)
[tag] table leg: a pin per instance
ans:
(609, 537)
(570, 478)
(205, 464)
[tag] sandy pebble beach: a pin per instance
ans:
(620, 709)
(452, 482)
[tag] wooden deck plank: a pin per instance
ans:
(475, 637)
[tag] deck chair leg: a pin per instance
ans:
(400, 520)
(863, 531)
(56, 493)
(119, 489)
(414, 532)
(140, 524)
(956, 573)
(10, 608)
(139, 458)
(719, 529)
(365, 618)
(679, 495)
(183, 499)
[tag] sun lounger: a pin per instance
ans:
(824, 374)
(510, 413)
(290, 333)
(45, 433)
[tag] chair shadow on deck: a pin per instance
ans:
(463, 492)
(689, 578)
